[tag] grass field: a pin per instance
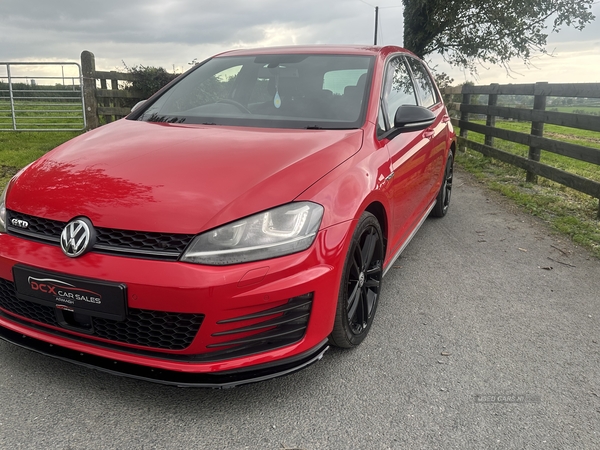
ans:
(572, 135)
(17, 149)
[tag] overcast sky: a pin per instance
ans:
(171, 33)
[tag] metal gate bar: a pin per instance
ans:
(34, 106)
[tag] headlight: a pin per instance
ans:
(3, 211)
(3, 198)
(280, 231)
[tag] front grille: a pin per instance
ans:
(108, 240)
(44, 228)
(33, 311)
(153, 329)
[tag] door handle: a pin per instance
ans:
(446, 118)
(429, 133)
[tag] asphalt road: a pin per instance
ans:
(480, 341)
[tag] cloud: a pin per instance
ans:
(171, 33)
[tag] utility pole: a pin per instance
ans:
(376, 23)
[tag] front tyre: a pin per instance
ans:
(360, 285)
(443, 198)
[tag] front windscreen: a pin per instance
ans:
(272, 91)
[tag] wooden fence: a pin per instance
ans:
(535, 140)
(107, 102)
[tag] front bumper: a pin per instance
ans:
(236, 303)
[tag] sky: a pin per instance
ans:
(173, 33)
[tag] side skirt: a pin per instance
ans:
(412, 235)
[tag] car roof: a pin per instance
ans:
(317, 49)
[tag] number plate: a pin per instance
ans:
(79, 295)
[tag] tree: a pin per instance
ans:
(147, 79)
(482, 31)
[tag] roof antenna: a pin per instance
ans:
(376, 23)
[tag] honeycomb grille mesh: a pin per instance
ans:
(108, 240)
(38, 226)
(153, 329)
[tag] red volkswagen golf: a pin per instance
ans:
(233, 226)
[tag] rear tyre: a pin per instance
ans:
(360, 284)
(443, 198)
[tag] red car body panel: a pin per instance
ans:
(118, 176)
(190, 178)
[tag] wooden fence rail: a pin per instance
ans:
(104, 102)
(535, 140)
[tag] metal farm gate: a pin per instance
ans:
(39, 96)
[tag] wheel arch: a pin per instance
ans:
(378, 210)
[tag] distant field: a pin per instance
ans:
(594, 110)
(565, 134)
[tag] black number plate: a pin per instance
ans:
(79, 295)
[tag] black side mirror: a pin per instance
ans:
(410, 118)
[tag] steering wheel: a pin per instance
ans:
(234, 103)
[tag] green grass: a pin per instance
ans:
(559, 133)
(17, 149)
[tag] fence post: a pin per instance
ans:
(490, 120)
(88, 69)
(104, 102)
(464, 116)
(114, 85)
(537, 128)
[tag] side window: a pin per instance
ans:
(398, 89)
(423, 83)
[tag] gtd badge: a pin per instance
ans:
(77, 237)
(19, 223)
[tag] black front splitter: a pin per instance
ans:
(222, 380)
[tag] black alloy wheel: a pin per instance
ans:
(360, 285)
(445, 194)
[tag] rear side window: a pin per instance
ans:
(423, 83)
